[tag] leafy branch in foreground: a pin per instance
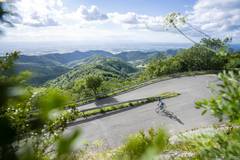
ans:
(5, 13)
(143, 146)
(227, 101)
(139, 146)
(224, 105)
(26, 117)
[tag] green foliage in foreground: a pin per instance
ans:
(227, 101)
(4, 13)
(225, 104)
(27, 118)
(139, 146)
(224, 145)
(143, 146)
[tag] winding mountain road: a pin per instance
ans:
(113, 129)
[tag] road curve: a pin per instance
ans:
(115, 128)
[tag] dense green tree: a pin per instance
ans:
(233, 62)
(160, 67)
(93, 83)
(196, 58)
(212, 43)
(80, 89)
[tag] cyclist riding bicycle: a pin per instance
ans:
(161, 104)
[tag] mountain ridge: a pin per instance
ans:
(107, 68)
(50, 66)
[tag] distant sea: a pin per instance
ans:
(46, 48)
(35, 48)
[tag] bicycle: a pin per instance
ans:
(158, 109)
(161, 107)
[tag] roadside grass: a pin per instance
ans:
(192, 144)
(136, 103)
(158, 144)
(72, 114)
(142, 145)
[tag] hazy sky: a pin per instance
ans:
(103, 21)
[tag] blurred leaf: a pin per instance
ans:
(52, 99)
(227, 101)
(7, 134)
(65, 144)
(222, 51)
(204, 112)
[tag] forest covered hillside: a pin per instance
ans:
(107, 68)
(50, 66)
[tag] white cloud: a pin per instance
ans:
(153, 23)
(39, 12)
(128, 18)
(133, 20)
(84, 23)
(217, 16)
(91, 14)
(44, 13)
(221, 17)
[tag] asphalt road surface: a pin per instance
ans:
(114, 129)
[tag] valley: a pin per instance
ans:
(50, 66)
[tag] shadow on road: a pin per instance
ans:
(109, 100)
(172, 116)
(84, 120)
